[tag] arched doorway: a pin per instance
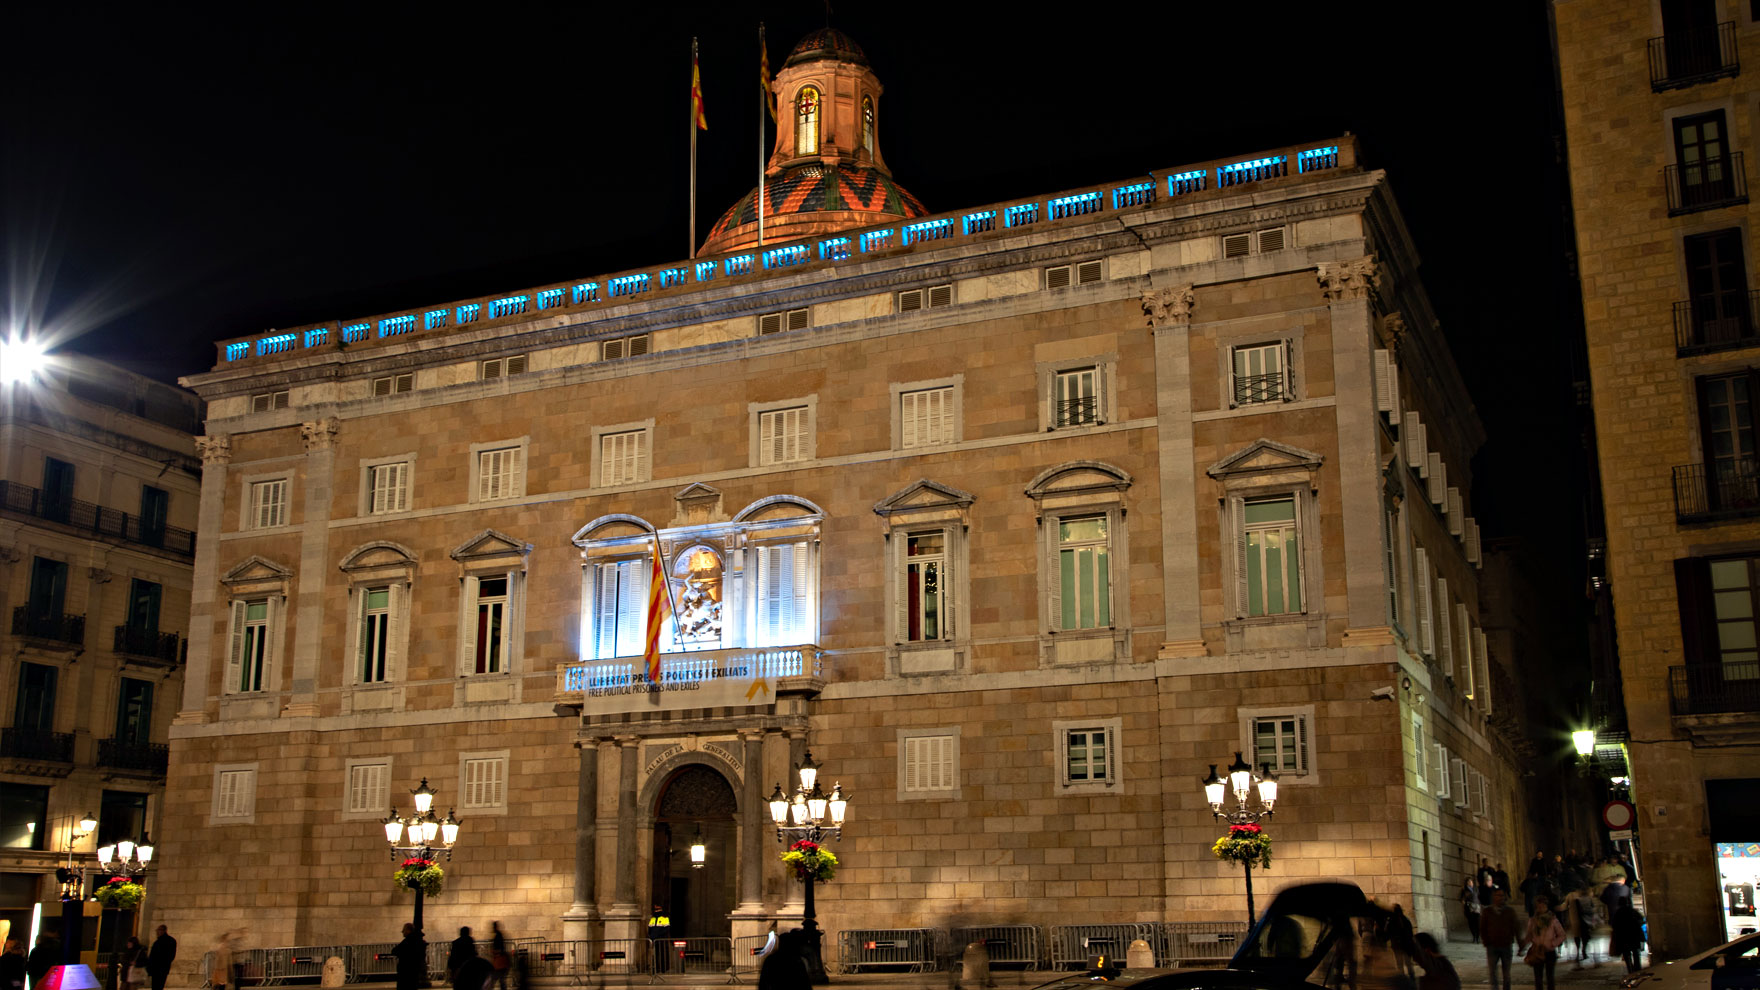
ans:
(698, 900)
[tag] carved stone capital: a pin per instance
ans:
(99, 575)
(1397, 331)
(1349, 279)
(321, 434)
(1165, 306)
(215, 450)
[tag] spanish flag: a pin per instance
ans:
(697, 90)
(657, 609)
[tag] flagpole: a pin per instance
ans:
(763, 108)
(694, 90)
(666, 575)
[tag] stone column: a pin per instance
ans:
(1170, 319)
(314, 546)
(1347, 286)
(216, 453)
(577, 922)
(755, 831)
(626, 919)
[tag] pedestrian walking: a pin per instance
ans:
(785, 968)
(1583, 916)
(1500, 878)
(220, 966)
(1469, 897)
(12, 966)
(160, 957)
(1498, 928)
(1541, 940)
(1628, 935)
(1616, 893)
(133, 964)
(1439, 973)
(42, 959)
(412, 958)
(498, 956)
(1399, 939)
(464, 949)
(1487, 881)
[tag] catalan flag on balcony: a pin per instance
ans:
(658, 606)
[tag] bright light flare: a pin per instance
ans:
(21, 361)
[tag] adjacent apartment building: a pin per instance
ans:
(1016, 517)
(1659, 117)
(98, 488)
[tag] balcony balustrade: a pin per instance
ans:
(131, 642)
(94, 519)
(146, 758)
(58, 627)
(1249, 389)
(1687, 58)
(1706, 328)
(1723, 490)
(36, 745)
(1078, 412)
(1706, 184)
(701, 679)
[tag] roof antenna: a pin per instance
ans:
(827, 13)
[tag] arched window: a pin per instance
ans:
(806, 121)
(868, 124)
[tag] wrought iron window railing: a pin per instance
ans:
(1714, 688)
(121, 754)
(133, 642)
(95, 519)
(1706, 184)
(1722, 490)
(1687, 58)
(61, 627)
(1703, 329)
(1258, 388)
(36, 744)
(1078, 412)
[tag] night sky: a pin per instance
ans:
(177, 175)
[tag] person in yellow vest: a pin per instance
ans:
(660, 932)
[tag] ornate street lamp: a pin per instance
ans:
(1244, 842)
(699, 852)
(810, 816)
(420, 831)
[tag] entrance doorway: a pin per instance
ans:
(696, 800)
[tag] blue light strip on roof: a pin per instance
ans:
(586, 292)
(1137, 194)
(396, 325)
(926, 230)
(877, 240)
(1020, 216)
(509, 306)
(739, 264)
(434, 319)
(1315, 159)
(276, 344)
(1186, 182)
(834, 249)
(783, 257)
(670, 277)
(973, 223)
(317, 336)
(549, 298)
(468, 312)
(354, 332)
(1252, 171)
(705, 270)
(629, 285)
(1074, 206)
(237, 350)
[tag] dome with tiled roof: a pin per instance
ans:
(826, 173)
(827, 43)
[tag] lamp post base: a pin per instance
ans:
(814, 959)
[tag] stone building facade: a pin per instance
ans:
(1016, 517)
(98, 489)
(1659, 117)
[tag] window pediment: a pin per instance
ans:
(490, 545)
(924, 496)
(255, 570)
(613, 527)
(1265, 457)
(1078, 478)
(378, 554)
(778, 507)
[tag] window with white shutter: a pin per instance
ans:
(374, 634)
(926, 417)
(1087, 754)
(1415, 437)
(1282, 741)
(1259, 373)
(500, 473)
(620, 607)
(1458, 773)
(1444, 641)
(1472, 542)
(1463, 652)
(268, 504)
(1439, 771)
(785, 594)
(1455, 511)
(392, 384)
(252, 639)
(930, 764)
(1421, 572)
(368, 788)
(926, 584)
(1437, 476)
(1481, 661)
(782, 436)
(268, 401)
(484, 783)
(1420, 753)
(388, 488)
(1076, 397)
(623, 457)
(235, 794)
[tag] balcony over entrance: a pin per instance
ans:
(704, 679)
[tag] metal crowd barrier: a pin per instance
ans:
(300, 962)
(206, 970)
(911, 948)
(1071, 945)
(371, 962)
(1008, 945)
(1209, 941)
(747, 957)
(693, 956)
(558, 960)
(617, 956)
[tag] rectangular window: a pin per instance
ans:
(1087, 755)
(1084, 573)
(623, 457)
(134, 713)
(1273, 564)
(491, 624)
(1076, 397)
(369, 788)
(155, 508)
(235, 793)
(485, 783)
(57, 490)
(34, 710)
(931, 763)
(143, 611)
(268, 504)
(1717, 288)
(1458, 777)
(388, 487)
(1421, 575)
(1389, 529)
(24, 816)
(1420, 752)
(785, 613)
(1734, 593)
(926, 417)
(926, 586)
(375, 635)
(1444, 637)
(1439, 772)
(1727, 434)
(782, 435)
(1702, 156)
(250, 642)
(620, 609)
(1258, 373)
(1282, 741)
(499, 473)
(48, 595)
(121, 815)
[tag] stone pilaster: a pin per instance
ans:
(314, 546)
(626, 919)
(578, 921)
(755, 829)
(1170, 320)
(216, 454)
(1349, 287)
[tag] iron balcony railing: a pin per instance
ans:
(96, 519)
(150, 645)
(120, 754)
(1687, 58)
(1724, 490)
(1258, 388)
(1706, 184)
(1703, 329)
(36, 744)
(1078, 412)
(1714, 688)
(57, 626)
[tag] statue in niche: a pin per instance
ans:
(696, 590)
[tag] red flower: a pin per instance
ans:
(118, 880)
(418, 863)
(1245, 829)
(805, 845)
